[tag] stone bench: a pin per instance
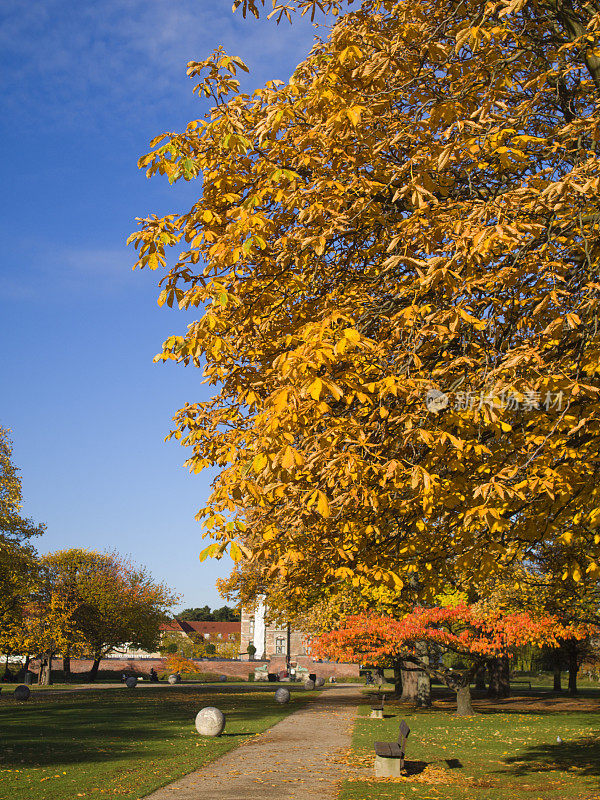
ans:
(389, 756)
(377, 707)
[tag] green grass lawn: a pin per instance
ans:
(120, 742)
(495, 755)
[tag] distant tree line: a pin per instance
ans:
(204, 614)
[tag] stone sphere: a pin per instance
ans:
(174, 679)
(320, 682)
(22, 692)
(309, 685)
(282, 695)
(210, 721)
(131, 682)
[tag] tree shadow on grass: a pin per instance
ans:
(581, 755)
(97, 728)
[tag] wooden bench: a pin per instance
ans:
(389, 756)
(377, 707)
(521, 683)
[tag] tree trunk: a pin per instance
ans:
(23, 671)
(8, 674)
(409, 684)
(573, 667)
(94, 670)
(67, 667)
(499, 678)
(556, 670)
(397, 678)
(480, 678)
(493, 678)
(423, 679)
(504, 671)
(464, 707)
(45, 674)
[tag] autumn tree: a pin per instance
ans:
(115, 602)
(556, 581)
(13, 526)
(178, 663)
(18, 564)
(322, 608)
(49, 628)
(394, 258)
(468, 631)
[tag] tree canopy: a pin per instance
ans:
(469, 631)
(13, 526)
(394, 257)
(114, 602)
(19, 570)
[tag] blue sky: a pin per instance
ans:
(84, 87)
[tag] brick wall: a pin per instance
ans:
(234, 669)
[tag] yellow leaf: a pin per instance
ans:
(354, 113)
(280, 401)
(352, 335)
(323, 505)
(259, 463)
(316, 388)
(235, 552)
(288, 461)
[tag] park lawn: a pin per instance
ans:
(121, 742)
(495, 755)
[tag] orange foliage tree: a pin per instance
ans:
(178, 663)
(473, 633)
(395, 260)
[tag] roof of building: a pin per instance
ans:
(189, 626)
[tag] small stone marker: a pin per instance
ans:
(131, 682)
(282, 695)
(210, 721)
(320, 682)
(174, 679)
(22, 692)
(309, 685)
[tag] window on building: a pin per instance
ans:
(279, 646)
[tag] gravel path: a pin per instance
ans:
(293, 760)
